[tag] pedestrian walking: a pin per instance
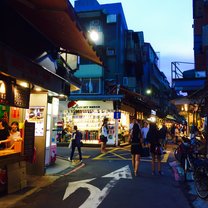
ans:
(172, 132)
(177, 134)
(144, 132)
(104, 135)
(163, 135)
(136, 146)
(76, 142)
(155, 147)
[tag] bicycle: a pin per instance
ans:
(186, 153)
(201, 178)
(180, 151)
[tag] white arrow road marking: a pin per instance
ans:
(73, 186)
(96, 195)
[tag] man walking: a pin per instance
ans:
(76, 142)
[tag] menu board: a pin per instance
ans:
(21, 97)
(13, 94)
(29, 140)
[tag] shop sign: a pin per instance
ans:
(12, 94)
(21, 97)
(117, 115)
(94, 105)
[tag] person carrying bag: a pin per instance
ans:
(76, 142)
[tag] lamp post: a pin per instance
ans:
(116, 116)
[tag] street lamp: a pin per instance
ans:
(94, 36)
(148, 91)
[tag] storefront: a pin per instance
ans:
(89, 115)
(25, 38)
(14, 100)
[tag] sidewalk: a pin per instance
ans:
(36, 183)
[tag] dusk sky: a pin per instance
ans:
(167, 26)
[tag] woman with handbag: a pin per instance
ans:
(153, 138)
(104, 135)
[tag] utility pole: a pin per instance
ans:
(117, 116)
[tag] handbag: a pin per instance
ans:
(70, 144)
(70, 141)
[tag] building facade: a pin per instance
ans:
(130, 68)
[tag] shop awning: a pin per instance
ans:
(56, 20)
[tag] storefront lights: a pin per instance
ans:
(152, 119)
(38, 89)
(2, 87)
(24, 84)
(186, 107)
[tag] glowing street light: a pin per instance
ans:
(148, 91)
(94, 36)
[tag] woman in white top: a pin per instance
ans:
(14, 133)
(104, 135)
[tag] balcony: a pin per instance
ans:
(187, 80)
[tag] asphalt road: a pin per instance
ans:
(107, 181)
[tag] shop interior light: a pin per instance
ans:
(152, 119)
(50, 93)
(186, 107)
(38, 89)
(24, 84)
(62, 95)
(2, 87)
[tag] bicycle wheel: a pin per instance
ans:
(201, 181)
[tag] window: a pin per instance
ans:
(111, 18)
(89, 86)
